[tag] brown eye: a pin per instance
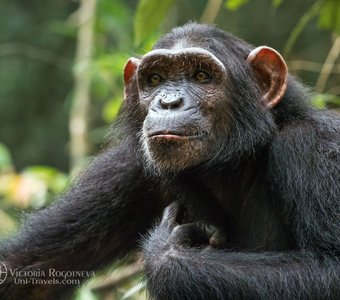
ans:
(202, 77)
(155, 79)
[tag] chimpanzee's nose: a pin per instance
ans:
(171, 102)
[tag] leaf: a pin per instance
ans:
(111, 110)
(7, 223)
(55, 180)
(319, 101)
(5, 157)
(149, 15)
(277, 3)
(235, 4)
(330, 16)
(322, 100)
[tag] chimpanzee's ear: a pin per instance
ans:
(129, 70)
(271, 72)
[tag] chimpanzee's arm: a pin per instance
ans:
(177, 271)
(98, 220)
(305, 176)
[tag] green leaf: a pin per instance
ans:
(85, 293)
(277, 3)
(235, 4)
(322, 100)
(7, 224)
(330, 16)
(111, 110)
(149, 15)
(54, 179)
(319, 101)
(5, 157)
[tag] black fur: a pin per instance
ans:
(273, 187)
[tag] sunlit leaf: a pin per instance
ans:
(277, 3)
(5, 157)
(84, 293)
(319, 102)
(107, 75)
(111, 65)
(322, 100)
(149, 15)
(23, 190)
(150, 42)
(235, 4)
(53, 179)
(111, 110)
(7, 224)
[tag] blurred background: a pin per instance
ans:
(61, 67)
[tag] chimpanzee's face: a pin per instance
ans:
(183, 94)
(196, 109)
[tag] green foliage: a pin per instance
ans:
(107, 75)
(113, 34)
(111, 109)
(310, 14)
(62, 28)
(85, 293)
(322, 101)
(149, 15)
(235, 4)
(7, 224)
(330, 16)
(113, 26)
(5, 158)
(53, 179)
(34, 187)
(35, 63)
(277, 3)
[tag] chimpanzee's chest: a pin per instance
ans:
(245, 210)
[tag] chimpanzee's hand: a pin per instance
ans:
(197, 234)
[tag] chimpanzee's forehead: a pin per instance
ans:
(178, 53)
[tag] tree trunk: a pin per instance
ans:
(78, 124)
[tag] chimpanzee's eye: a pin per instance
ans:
(202, 77)
(154, 79)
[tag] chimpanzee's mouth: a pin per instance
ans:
(172, 135)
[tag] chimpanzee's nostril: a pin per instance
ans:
(171, 103)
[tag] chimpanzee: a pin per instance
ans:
(217, 132)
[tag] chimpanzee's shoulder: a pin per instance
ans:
(315, 137)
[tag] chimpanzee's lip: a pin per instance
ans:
(171, 135)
